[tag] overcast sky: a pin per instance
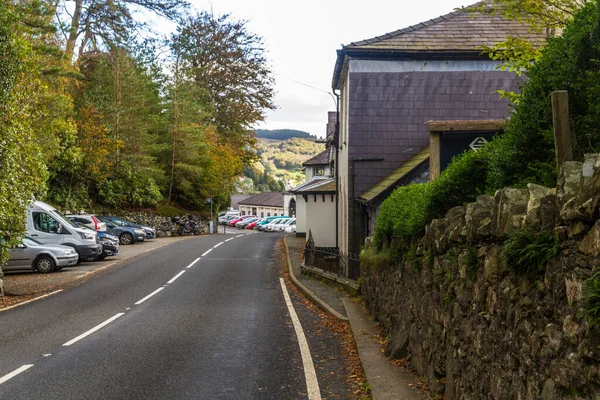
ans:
(302, 37)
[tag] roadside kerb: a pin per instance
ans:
(307, 292)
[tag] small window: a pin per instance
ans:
(45, 223)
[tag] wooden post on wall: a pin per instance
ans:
(562, 131)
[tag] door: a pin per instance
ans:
(46, 228)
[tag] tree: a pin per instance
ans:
(98, 23)
(23, 173)
(230, 64)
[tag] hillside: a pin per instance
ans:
(283, 134)
(279, 166)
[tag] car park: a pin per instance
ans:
(126, 234)
(148, 230)
(47, 225)
(31, 255)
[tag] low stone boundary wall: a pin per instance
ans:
(477, 330)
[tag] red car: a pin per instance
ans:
(236, 220)
(251, 225)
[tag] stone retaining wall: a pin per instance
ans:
(479, 331)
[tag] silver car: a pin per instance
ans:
(44, 258)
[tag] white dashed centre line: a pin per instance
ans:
(192, 264)
(150, 295)
(206, 252)
(312, 384)
(15, 373)
(94, 329)
(173, 279)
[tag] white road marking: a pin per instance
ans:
(94, 329)
(229, 239)
(206, 252)
(173, 279)
(32, 300)
(217, 245)
(150, 295)
(15, 373)
(312, 384)
(192, 264)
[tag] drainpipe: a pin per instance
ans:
(336, 143)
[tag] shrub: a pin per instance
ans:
(460, 183)
(591, 299)
(402, 216)
(525, 252)
(525, 153)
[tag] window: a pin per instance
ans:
(45, 223)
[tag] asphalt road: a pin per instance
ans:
(204, 318)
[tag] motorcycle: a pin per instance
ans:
(187, 227)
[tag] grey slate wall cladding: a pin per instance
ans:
(388, 112)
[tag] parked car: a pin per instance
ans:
(252, 225)
(290, 228)
(269, 219)
(244, 223)
(126, 234)
(280, 227)
(271, 226)
(148, 230)
(47, 225)
(109, 242)
(88, 220)
(235, 221)
(43, 258)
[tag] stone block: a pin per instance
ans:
(509, 211)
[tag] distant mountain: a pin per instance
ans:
(279, 165)
(283, 134)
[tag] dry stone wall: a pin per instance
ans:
(478, 331)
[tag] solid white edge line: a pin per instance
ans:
(147, 297)
(32, 300)
(206, 252)
(192, 264)
(217, 245)
(312, 384)
(173, 279)
(94, 329)
(15, 373)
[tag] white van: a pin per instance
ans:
(47, 225)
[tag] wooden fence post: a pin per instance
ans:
(562, 131)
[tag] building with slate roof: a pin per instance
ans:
(390, 85)
(266, 204)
